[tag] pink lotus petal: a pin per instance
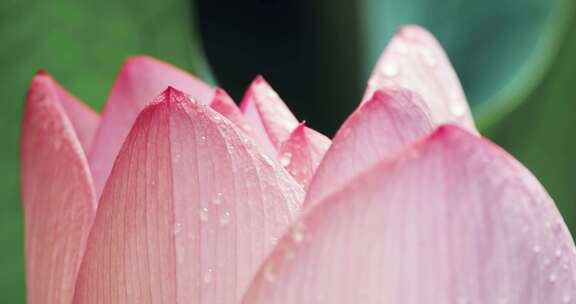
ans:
(189, 212)
(379, 128)
(84, 120)
(415, 60)
(224, 104)
(57, 192)
(268, 115)
(453, 220)
(140, 80)
(301, 153)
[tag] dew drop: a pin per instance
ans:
(458, 109)
(285, 159)
(552, 278)
(204, 214)
(208, 276)
(218, 198)
(389, 70)
(217, 117)
(273, 240)
(558, 252)
(203, 138)
(225, 218)
(298, 232)
(400, 47)
(177, 228)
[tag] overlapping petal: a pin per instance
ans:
(224, 104)
(268, 115)
(140, 80)
(302, 152)
(189, 212)
(83, 119)
(379, 128)
(454, 219)
(57, 192)
(415, 60)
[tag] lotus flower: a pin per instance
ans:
(175, 195)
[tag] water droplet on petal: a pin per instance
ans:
(218, 198)
(273, 240)
(558, 252)
(204, 214)
(552, 278)
(298, 232)
(208, 276)
(458, 109)
(177, 228)
(225, 218)
(285, 159)
(389, 70)
(400, 47)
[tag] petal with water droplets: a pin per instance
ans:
(301, 153)
(140, 80)
(416, 61)
(189, 212)
(57, 193)
(379, 128)
(454, 219)
(269, 116)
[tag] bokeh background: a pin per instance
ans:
(516, 60)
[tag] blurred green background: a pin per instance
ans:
(516, 60)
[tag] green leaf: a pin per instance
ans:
(540, 133)
(500, 48)
(82, 44)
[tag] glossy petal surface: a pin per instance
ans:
(140, 80)
(416, 61)
(189, 212)
(57, 194)
(452, 220)
(302, 152)
(379, 128)
(268, 115)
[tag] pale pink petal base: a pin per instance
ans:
(302, 152)
(57, 192)
(140, 80)
(189, 212)
(415, 60)
(453, 220)
(380, 127)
